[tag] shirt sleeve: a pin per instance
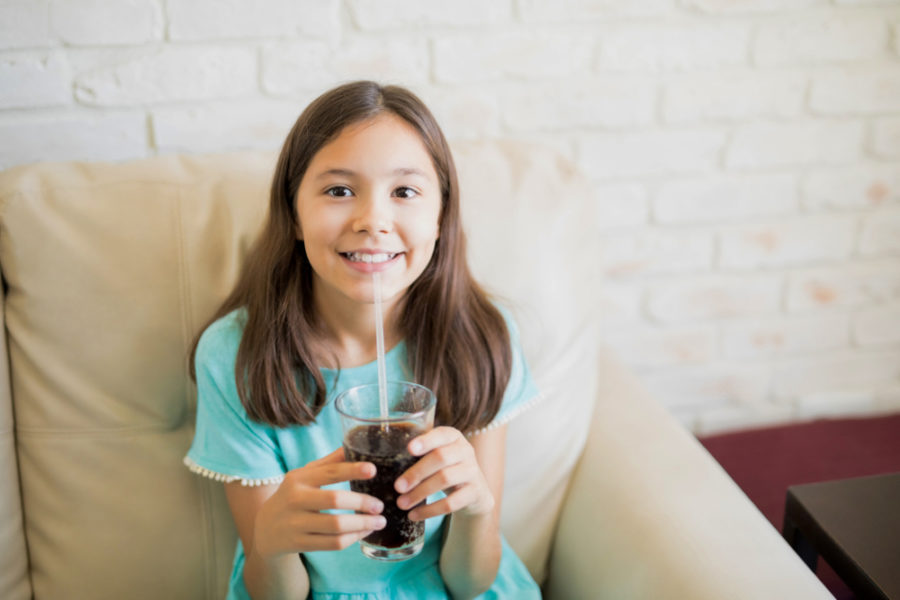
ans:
(228, 446)
(521, 391)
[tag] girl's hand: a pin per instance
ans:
(291, 520)
(448, 463)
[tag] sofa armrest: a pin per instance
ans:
(14, 581)
(650, 514)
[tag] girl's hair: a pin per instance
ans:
(457, 341)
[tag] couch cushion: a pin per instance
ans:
(14, 580)
(532, 243)
(110, 269)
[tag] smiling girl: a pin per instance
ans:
(365, 182)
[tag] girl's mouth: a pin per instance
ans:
(369, 258)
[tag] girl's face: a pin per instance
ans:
(369, 201)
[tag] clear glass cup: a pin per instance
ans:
(382, 439)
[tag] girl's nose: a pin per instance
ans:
(373, 215)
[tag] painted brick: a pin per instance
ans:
(869, 91)
(31, 79)
(466, 112)
(714, 297)
(778, 337)
(717, 199)
(579, 11)
(652, 348)
(297, 68)
(865, 2)
(850, 285)
(192, 20)
(796, 241)
(820, 39)
(733, 418)
(886, 138)
(25, 24)
(620, 205)
(170, 73)
(881, 233)
(673, 47)
(845, 372)
(887, 400)
(580, 104)
(402, 14)
(655, 252)
(751, 6)
(879, 325)
(831, 404)
(692, 99)
(220, 127)
(763, 145)
(466, 58)
(650, 153)
(709, 386)
(854, 188)
(76, 135)
(619, 306)
(896, 31)
(110, 23)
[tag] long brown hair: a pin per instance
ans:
(457, 341)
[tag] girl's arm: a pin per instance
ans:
(275, 522)
(470, 471)
(277, 577)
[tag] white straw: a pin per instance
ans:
(379, 346)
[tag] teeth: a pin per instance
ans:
(369, 258)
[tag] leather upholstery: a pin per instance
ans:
(109, 270)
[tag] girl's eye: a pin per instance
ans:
(339, 191)
(405, 192)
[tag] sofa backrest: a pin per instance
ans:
(109, 270)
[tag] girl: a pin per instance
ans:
(365, 182)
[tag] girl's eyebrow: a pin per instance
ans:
(335, 172)
(401, 171)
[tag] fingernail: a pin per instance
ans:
(375, 506)
(400, 485)
(415, 447)
(402, 502)
(380, 523)
(413, 515)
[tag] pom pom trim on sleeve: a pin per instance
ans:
(201, 470)
(528, 404)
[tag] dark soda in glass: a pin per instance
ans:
(385, 447)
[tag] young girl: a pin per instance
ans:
(365, 182)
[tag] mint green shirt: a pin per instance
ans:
(229, 446)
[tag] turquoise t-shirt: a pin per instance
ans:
(228, 446)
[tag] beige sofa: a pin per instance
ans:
(108, 271)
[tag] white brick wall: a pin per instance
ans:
(744, 154)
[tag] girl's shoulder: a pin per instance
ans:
(505, 311)
(222, 337)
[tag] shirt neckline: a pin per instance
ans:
(367, 366)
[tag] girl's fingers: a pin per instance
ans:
(460, 498)
(316, 500)
(437, 437)
(319, 475)
(432, 463)
(324, 523)
(336, 456)
(444, 479)
(319, 542)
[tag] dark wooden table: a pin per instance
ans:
(854, 524)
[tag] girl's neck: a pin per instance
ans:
(348, 332)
